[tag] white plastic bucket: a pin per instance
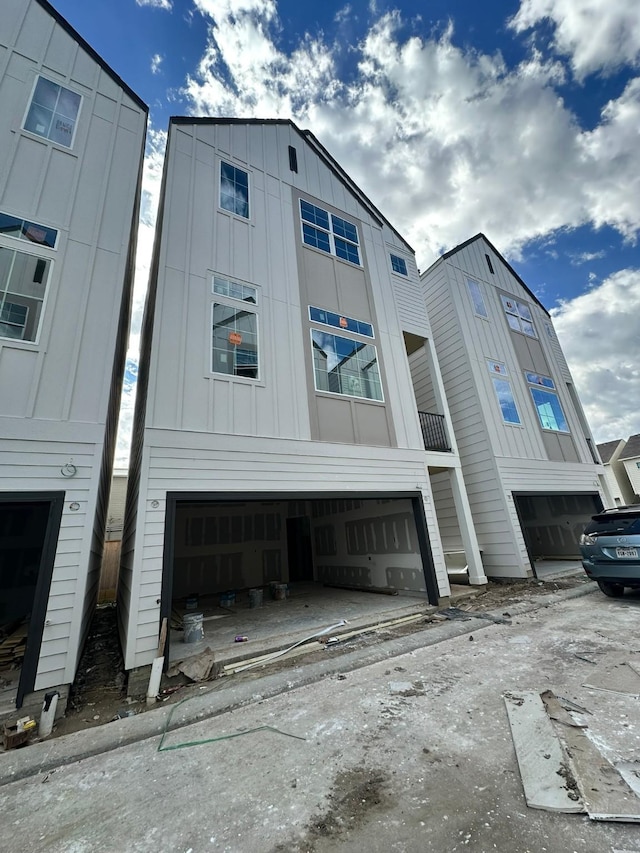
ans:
(192, 629)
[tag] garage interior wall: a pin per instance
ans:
(355, 542)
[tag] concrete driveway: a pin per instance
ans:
(413, 753)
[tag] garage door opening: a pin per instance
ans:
(312, 560)
(28, 534)
(552, 523)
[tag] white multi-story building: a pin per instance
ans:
(532, 473)
(277, 432)
(71, 146)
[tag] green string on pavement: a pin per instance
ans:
(184, 744)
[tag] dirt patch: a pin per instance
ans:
(98, 693)
(355, 793)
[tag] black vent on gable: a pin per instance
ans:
(293, 159)
(489, 264)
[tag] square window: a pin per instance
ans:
(315, 237)
(53, 112)
(344, 229)
(345, 366)
(549, 410)
(234, 190)
(347, 251)
(399, 265)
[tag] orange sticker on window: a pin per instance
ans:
(343, 323)
(235, 338)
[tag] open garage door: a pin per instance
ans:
(552, 523)
(225, 551)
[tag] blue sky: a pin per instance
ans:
(517, 118)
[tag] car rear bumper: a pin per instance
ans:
(613, 571)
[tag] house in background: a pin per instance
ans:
(277, 435)
(71, 147)
(615, 472)
(630, 459)
(532, 473)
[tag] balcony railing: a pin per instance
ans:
(434, 433)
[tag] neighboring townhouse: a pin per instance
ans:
(615, 472)
(277, 437)
(529, 461)
(630, 459)
(71, 147)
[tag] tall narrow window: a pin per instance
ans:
(489, 264)
(477, 298)
(234, 325)
(53, 112)
(502, 387)
(293, 159)
(546, 402)
(519, 316)
(234, 190)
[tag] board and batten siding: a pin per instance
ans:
(633, 472)
(463, 375)
(61, 393)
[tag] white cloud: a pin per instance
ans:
(447, 141)
(599, 333)
(595, 34)
(586, 257)
(156, 62)
(167, 5)
(151, 183)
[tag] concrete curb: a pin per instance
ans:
(228, 695)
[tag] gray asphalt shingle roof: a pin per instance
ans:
(631, 448)
(607, 449)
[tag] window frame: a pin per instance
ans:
(519, 317)
(41, 254)
(500, 374)
(400, 261)
(544, 385)
(76, 120)
(342, 327)
(24, 225)
(235, 303)
(484, 314)
(343, 393)
(226, 210)
(333, 236)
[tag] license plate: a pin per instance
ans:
(627, 552)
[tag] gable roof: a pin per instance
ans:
(481, 236)
(631, 448)
(607, 449)
(309, 139)
(92, 53)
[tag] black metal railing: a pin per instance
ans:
(434, 433)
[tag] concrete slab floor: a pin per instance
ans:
(310, 608)
(411, 754)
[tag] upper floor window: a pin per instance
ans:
(234, 329)
(23, 285)
(329, 233)
(519, 316)
(399, 265)
(12, 226)
(546, 402)
(234, 189)
(477, 298)
(345, 366)
(502, 387)
(348, 324)
(53, 112)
